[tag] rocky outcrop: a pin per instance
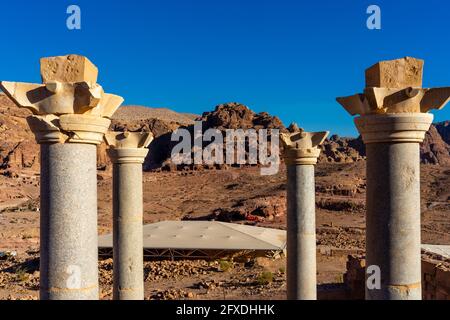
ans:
(256, 209)
(342, 150)
(434, 150)
(237, 116)
(337, 149)
(234, 115)
(226, 116)
(444, 130)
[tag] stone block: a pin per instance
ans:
(428, 267)
(442, 295)
(443, 278)
(397, 74)
(70, 68)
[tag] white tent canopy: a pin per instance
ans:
(204, 238)
(441, 250)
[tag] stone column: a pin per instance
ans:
(393, 121)
(127, 152)
(301, 150)
(70, 118)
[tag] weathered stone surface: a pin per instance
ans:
(127, 152)
(127, 230)
(234, 115)
(338, 149)
(393, 121)
(435, 277)
(395, 87)
(434, 150)
(71, 114)
(398, 74)
(70, 68)
(303, 140)
(302, 147)
(254, 209)
(444, 130)
(69, 93)
(394, 127)
(435, 98)
(68, 222)
(62, 98)
(225, 116)
(301, 233)
(384, 100)
(128, 139)
(301, 151)
(393, 177)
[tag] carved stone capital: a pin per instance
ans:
(128, 147)
(390, 101)
(302, 148)
(68, 128)
(69, 107)
(394, 107)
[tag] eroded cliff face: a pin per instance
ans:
(434, 149)
(19, 151)
(443, 129)
(238, 116)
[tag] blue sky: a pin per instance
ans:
(289, 58)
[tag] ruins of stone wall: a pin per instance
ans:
(435, 277)
(355, 276)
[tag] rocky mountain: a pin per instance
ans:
(238, 116)
(225, 116)
(19, 152)
(342, 150)
(138, 113)
(435, 149)
(443, 128)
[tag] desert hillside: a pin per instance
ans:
(136, 113)
(19, 152)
